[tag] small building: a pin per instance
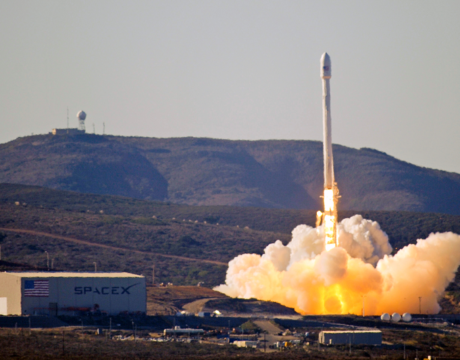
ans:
(358, 337)
(179, 331)
(67, 132)
(246, 343)
(204, 314)
(54, 293)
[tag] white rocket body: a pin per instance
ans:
(327, 131)
(331, 191)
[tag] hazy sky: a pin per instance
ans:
(238, 70)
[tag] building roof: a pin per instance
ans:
(74, 274)
(351, 331)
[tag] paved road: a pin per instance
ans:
(84, 242)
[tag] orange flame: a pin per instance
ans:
(331, 197)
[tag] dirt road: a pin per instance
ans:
(273, 331)
(88, 243)
(268, 326)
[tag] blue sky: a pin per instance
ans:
(238, 70)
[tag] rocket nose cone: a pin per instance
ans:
(325, 59)
(325, 66)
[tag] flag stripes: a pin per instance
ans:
(36, 288)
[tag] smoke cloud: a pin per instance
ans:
(303, 276)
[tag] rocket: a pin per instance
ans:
(327, 136)
(331, 191)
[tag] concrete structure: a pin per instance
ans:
(48, 293)
(179, 331)
(358, 337)
(246, 343)
(204, 314)
(67, 132)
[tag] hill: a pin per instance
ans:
(186, 244)
(200, 171)
(183, 252)
(402, 227)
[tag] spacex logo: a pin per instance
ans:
(105, 290)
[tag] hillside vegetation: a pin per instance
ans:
(127, 240)
(131, 244)
(402, 227)
(186, 244)
(200, 171)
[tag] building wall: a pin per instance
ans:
(67, 131)
(10, 288)
(355, 338)
(113, 295)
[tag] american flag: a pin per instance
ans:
(36, 288)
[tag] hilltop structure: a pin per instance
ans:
(67, 132)
(81, 116)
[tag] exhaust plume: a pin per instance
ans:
(304, 276)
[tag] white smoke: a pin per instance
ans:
(303, 276)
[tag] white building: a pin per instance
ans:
(48, 293)
(358, 337)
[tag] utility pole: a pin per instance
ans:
(110, 329)
(153, 275)
(175, 334)
(63, 343)
(95, 266)
(47, 260)
(420, 305)
(363, 296)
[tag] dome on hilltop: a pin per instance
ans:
(81, 115)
